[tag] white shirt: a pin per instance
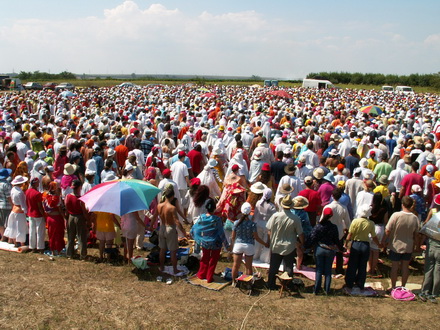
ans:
(179, 171)
(340, 217)
(311, 158)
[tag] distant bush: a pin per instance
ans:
(37, 75)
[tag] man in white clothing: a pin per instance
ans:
(180, 174)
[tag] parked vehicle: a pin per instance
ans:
(33, 86)
(12, 84)
(388, 88)
(64, 86)
(128, 84)
(404, 89)
(316, 83)
(50, 85)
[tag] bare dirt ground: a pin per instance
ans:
(73, 294)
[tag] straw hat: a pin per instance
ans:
(286, 188)
(19, 180)
(318, 173)
(69, 169)
(289, 169)
(383, 179)
(300, 202)
(287, 202)
(258, 187)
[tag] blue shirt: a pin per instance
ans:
(244, 233)
(175, 158)
(305, 222)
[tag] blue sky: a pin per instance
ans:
(285, 39)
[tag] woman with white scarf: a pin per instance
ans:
(264, 209)
(239, 160)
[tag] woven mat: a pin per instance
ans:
(218, 283)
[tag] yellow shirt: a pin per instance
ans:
(361, 228)
(383, 190)
(104, 222)
(371, 164)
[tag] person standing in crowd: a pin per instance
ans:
(359, 233)
(16, 229)
(78, 221)
(284, 229)
(209, 234)
(5, 200)
(244, 235)
(35, 213)
(324, 238)
(400, 233)
(51, 201)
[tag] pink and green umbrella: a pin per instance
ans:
(373, 110)
(120, 197)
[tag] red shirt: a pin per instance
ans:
(314, 199)
(73, 205)
(121, 154)
(195, 158)
(33, 199)
(409, 180)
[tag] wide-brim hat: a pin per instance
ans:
(289, 169)
(318, 173)
(212, 163)
(69, 169)
(383, 179)
(329, 177)
(300, 202)
(333, 152)
(5, 172)
(258, 187)
(287, 202)
(19, 180)
(286, 188)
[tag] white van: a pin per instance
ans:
(388, 88)
(404, 89)
(315, 83)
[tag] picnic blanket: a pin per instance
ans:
(218, 283)
(182, 270)
(308, 272)
(356, 292)
(10, 247)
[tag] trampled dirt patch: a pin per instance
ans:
(66, 294)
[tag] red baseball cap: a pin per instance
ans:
(235, 167)
(328, 211)
(265, 167)
(195, 181)
(166, 172)
(182, 154)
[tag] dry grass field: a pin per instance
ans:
(73, 294)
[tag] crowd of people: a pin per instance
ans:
(265, 177)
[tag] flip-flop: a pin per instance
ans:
(422, 297)
(159, 279)
(169, 281)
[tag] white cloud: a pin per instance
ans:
(157, 39)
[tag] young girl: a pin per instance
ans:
(244, 235)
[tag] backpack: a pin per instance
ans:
(403, 294)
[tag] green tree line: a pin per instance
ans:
(37, 75)
(357, 78)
